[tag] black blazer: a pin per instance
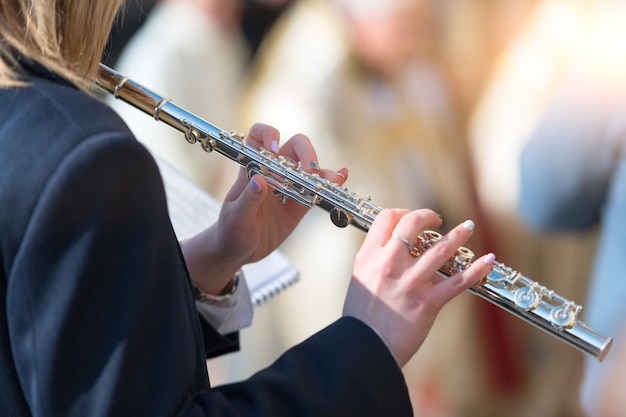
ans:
(96, 313)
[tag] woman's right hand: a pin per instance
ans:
(399, 295)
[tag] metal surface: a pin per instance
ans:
(503, 287)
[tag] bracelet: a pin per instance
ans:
(205, 298)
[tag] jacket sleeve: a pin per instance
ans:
(343, 370)
(101, 316)
(102, 320)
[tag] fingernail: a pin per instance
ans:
(342, 173)
(256, 187)
(440, 216)
(314, 165)
(469, 225)
(489, 259)
(274, 146)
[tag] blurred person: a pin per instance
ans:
(522, 79)
(193, 50)
(361, 79)
(124, 27)
(473, 34)
(573, 172)
(98, 312)
(258, 18)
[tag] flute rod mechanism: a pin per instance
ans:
(503, 286)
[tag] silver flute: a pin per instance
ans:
(503, 286)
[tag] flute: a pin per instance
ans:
(503, 286)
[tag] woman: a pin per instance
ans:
(98, 316)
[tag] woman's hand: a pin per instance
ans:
(252, 222)
(399, 295)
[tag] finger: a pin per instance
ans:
(409, 227)
(343, 174)
(441, 251)
(449, 288)
(300, 148)
(248, 200)
(338, 177)
(382, 227)
(238, 186)
(263, 136)
(412, 224)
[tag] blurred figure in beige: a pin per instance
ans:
(503, 115)
(193, 52)
(361, 79)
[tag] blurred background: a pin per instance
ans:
(429, 104)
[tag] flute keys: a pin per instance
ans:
(191, 135)
(236, 135)
(425, 241)
(564, 316)
(340, 218)
(431, 236)
(527, 298)
(541, 307)
(253, 169)
(208, 144)
(464, 257)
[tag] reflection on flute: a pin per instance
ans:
(503, 286)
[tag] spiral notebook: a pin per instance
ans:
(266, 278)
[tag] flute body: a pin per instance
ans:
(504, 287)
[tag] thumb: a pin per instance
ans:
(253, 195)
(241, 213)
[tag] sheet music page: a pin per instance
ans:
(192, 210)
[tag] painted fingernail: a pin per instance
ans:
(314, 165)
(469, 225)
(256, 187)
(274, 146)
(489, 259)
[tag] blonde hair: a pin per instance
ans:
(66, 36)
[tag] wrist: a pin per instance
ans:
(225, 294)
(208, 275)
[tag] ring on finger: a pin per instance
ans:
(405, 241)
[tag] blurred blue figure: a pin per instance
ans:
(573, 178)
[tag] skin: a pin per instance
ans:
(400, 295)
(387, 42)
(252, 222)
(228, 13)
(393, 292)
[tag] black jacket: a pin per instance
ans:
(96, 313)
